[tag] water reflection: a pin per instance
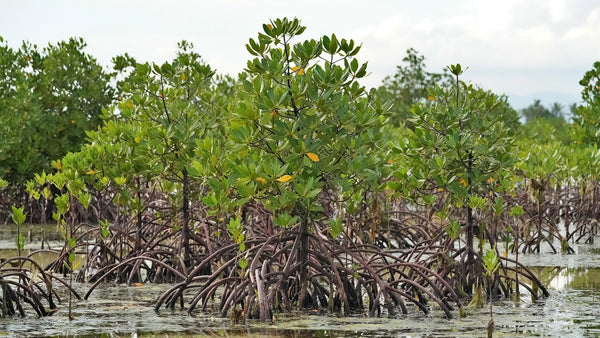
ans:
(35, 235)
(574, 278)
(42, 257)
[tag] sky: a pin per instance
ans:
(526, 49)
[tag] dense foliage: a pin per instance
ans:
(50, 97)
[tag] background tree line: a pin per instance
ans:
(53, 95)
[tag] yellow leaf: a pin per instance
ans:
(298, 70)
(183, 77)
(313, 157)
(463, 181)
(389, 162)
(58, 165)
(72, 121)
(284, 178)
(440, 189)
(490, 180)
(137, 139)
(91, 172)
(138, 284)
(430, 98)
(270, 27)
(274, 113)
(261, 180)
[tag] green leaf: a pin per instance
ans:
(285, 220)
(85, 199)
(236, 229)
(455, 69)
(499, 206)
(362, 71)
(491, 261)
(453, 230)
(243, 263)
(333, 45)
(354, 65)
(62, 204)
(120, 180)
(210, 201)
(516, 211)
(104, 232)
(18, 216)
(335, 227)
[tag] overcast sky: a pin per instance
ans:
(526, 49)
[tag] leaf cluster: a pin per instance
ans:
(50, 97)
(462, 142)
(307, 123)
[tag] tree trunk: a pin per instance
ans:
(302, 258)
(185, 210)
(470, 251)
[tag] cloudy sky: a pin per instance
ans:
(526, 49)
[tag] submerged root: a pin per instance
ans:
(24, 282)
(281, 275)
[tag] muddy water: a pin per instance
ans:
(572, 310)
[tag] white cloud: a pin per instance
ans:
(520, 47)
(558, 10)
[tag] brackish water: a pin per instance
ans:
(572, 310)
